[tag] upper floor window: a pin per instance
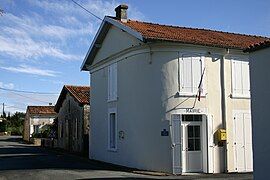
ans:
(240, 78)
(112, 82)
(191, 69)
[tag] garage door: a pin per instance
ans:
(243, 142)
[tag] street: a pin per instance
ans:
(23, 161)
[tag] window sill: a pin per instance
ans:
(234, 96)
(181, 94)
(112, 150)
(112, 100)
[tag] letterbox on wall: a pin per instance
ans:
(221, 135)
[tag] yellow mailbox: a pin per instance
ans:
(221, 135)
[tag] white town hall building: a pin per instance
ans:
(145, 111)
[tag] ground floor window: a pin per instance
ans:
(112, 130)
(36, 129)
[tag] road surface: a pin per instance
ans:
(22, 161)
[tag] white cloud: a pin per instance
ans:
(7, 85)
(30, 36)
(31, 70)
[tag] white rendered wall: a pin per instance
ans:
(260, 98)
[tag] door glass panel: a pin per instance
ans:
(190, 144)
(197, 131)
(194, 138)
(190, 132)
(197, 144)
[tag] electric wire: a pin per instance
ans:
(30, 98)
(29, 92)
(86, 10)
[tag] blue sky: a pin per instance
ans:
(43, 43)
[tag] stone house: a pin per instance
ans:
(35, 118)
(72, 109)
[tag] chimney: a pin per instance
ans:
(121, 12)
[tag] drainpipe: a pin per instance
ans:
(223, 101)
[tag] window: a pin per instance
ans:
(36, 129)
(76, 128)
(194, 138)
(191, 69)
(69, 106)
(192, 118)
(240, 78)
(112, 130)
(112, 82)
(61, 130)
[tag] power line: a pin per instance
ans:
(86, 10)
(16, 107)
(31, 98)
(29, 92)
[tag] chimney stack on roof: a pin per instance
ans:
(121, 12)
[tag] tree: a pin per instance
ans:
(15, 123)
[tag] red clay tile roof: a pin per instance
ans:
(41, 110)
(80, 93)
(195, 36)
(258, 46)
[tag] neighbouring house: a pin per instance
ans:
(73, 118)
(260, 97)
(168, 98)
(37, 117)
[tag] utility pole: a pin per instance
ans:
(4, 114)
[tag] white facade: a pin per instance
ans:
(155, 122)
(37, 122)
(260, 78)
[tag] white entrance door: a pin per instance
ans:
(191, 129)
(243, 142)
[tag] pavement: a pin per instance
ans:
(24, 161)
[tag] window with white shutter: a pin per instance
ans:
(112, 82)
(240, 78)
(191, 69)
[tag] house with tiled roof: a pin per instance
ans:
(260, 97)
(72, 109)
(37, 117)
(169, 98)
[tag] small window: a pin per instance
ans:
(36, 129)
(76, 128)
(112, 131)
(192, 118)
(112, 82)
(61, 130)
(240, 78)
(69, 106)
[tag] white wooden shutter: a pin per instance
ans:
(237, 77)
(196, 72)
(210, 135)
(245, 78)
(248, 142)
(186, 74)
(112, 82)
(176, 144)
(109, 82)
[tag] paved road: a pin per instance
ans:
(21, 161)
